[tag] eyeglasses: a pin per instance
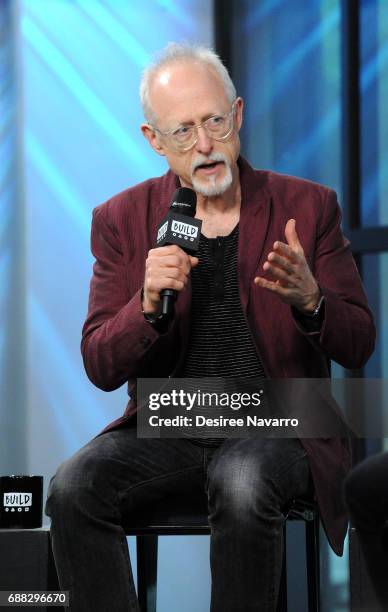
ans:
(218, 127)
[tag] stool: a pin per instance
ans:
(193, 521)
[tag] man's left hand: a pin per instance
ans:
(294, 282)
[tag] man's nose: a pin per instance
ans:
(204, 142)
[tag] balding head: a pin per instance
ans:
(158, 73)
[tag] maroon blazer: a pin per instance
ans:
(119, 345)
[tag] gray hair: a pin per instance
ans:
(175, 52)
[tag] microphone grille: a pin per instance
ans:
(184, 201)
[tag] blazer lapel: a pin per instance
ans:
(254, 225)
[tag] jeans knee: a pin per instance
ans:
(70, 484)
(59, 493)
(239, 490)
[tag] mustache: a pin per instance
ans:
(203, 159)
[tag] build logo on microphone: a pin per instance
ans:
(162, 232)
(17, 502)
(184, 230)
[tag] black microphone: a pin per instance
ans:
(179, 227)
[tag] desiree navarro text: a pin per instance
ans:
(220, 421)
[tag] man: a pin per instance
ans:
(367, 501)
(250, 304)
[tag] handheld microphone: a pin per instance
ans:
(179, 227)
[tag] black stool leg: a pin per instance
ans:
(312, 557)
(282, 605)
(147, 565)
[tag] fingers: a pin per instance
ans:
(170, 249)
(288, 268)
(291, 277)
(284, 277)
(172, 255)
(155, 282)
(156, 285)
(166, 267)
(292, 236)
(282, 269)
(284, 250)
(275, 287)
(168, 261)
(293, 250)
(276, 261)
(286, 258)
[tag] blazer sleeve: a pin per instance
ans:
(348, 332)
(116, 338)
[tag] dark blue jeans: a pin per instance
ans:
(248, 484)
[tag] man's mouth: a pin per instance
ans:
(209, 165)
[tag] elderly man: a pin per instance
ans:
(273, 292)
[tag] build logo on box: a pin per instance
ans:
(13, 502)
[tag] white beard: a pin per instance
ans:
(211, 186)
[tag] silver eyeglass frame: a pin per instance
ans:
(200, 125)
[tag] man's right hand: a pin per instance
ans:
(167, 267)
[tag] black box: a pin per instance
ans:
(27, 563)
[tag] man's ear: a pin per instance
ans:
(239, 112)
(152, 138)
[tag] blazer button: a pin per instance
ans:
(146, 341)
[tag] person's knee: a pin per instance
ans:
(257, 479)
(238, 487)
(72, 483)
